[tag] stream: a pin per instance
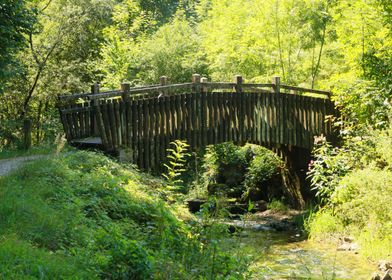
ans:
(288, 255)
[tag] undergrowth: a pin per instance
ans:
(354, 184)
(80, 215)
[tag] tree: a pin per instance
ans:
(16, 20)
(60, 56)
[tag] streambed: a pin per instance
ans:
(288, 255)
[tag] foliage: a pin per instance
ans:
(16, 20)
(355, 197)
(81, 214)
(263, 166)
(238, 170)
(176, 163)
(326, 170)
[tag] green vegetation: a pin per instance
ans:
(64, 46)
(355, 197)
(250, 172)
(80, 215)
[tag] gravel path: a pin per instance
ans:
(8, 165)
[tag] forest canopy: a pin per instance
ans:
(50, 47)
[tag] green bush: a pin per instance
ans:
(357, 200)
(241, 169)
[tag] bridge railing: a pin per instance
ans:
(172, 89)
(144, 120)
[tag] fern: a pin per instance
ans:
(176, 163)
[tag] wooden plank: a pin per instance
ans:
(261, 102)
(128, 124)
(113, 126)
(320, 118)
(146, 134)
(100, 125)
(216, 117)
(123, 123)
(272, 119)
(81, 124)
(324, 113)
(116, 107)
(279, 101)
(258, 117)
(230, 113)
(64, 123)
(303, 121)
(221, 117)
(242, 118)
(75, 125)
(322, 92)
(192, 110)
(210, 136)
(134, 135)
(151, 134)
(157, 139)
(188, 105)
(87, 125)
(172, 111)
(291, 118)
(162, 131)
(276, 118)
(309, 121)
(182, 108)
(139, 133)
(312, 119)
(296, 122)
(202, 142)
(106, 125)
(247, 113)
(254, 118)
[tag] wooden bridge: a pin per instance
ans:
(142, 121)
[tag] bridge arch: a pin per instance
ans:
(140, 122)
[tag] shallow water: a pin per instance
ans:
(288, 256)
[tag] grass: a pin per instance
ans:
(81, 215)
(36, 150)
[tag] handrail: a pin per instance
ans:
(146, 90)
(328, 93)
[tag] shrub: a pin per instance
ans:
(241, 169)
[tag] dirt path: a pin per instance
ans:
(8, 165)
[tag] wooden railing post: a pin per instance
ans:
(124, 108)
(125, 88)
(163, 80)
(276, 84)
(238, 80)
(204, 87)
(197, 123)
(203, 121)
(94, 125)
